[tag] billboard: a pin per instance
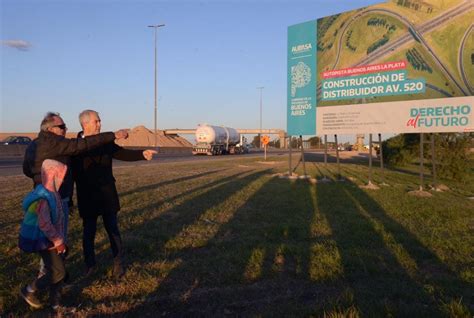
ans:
(403, 66)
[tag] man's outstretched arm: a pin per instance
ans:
(123, 154)
(75, 146)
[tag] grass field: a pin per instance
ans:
(419, 17)
(437, 78)
(363, 36)
(327, 58)
(231, 238)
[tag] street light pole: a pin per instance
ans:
(260, 135)
(156, 83)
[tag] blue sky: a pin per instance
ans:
(99, 55)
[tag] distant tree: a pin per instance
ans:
(294, 142)
(256, 142)
(451, 152)
(401, 149)
(274, 143)
(452, 155)
(314, 141)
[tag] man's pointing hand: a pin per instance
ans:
(148, 154)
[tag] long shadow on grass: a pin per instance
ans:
(146, 242)
(363, 161)
(105, 255)
(377, 255)
(143, 210)
(331, 158)
(256, 262)
(149, 232)
(431, 271)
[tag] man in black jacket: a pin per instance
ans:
(96, 191)
(52, 144)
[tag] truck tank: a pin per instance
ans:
(215, 140)
(216, 135)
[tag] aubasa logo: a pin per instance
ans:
(301, 48)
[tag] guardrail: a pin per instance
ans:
(12, 150)
(168, 150)
(8, 151)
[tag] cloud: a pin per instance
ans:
(17, 44)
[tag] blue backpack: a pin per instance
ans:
(32, 239)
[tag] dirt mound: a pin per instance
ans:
(140, 136)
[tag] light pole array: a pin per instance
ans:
(156, 83)
(260, 135)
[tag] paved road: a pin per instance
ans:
(460, 59)
(13, 166)
(439, 90)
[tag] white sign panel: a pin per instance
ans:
(417, 116)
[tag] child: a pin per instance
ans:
(46, 203)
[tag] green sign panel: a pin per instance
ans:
(302, 74)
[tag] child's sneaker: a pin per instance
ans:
(30, 298)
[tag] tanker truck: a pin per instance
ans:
(215, 140)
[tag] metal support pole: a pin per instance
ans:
(156, 98)
(421, 161)
(325, 155)
(325, 151)
(433, 161)
(302, 155)
(156, 85)
(381, 158)
(290, 173)
(337, 159)
(370, 158)
(260, 134)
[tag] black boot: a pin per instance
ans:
(55, 295)
(55, 301)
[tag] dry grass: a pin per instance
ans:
(230, 238)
